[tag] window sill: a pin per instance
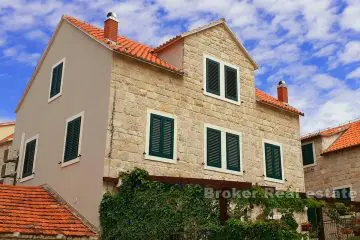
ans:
(160, 159)
(221, 98)
(223, 170)
(54, 97)
(309, 165)
(273, 180)
(70, 162)
(27, 178)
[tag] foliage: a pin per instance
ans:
(354, 238)
(257, 230)
(145, 209)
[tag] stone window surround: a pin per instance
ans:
(82, 115)
(313, 147)
(222, 80)
(223, 168)
(50, 99)
(23, 158)
(147, 135)
(282, 162)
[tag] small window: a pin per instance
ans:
(161, 137)
(308, 154)
(222, 150)
(56, 80)
(273, 161)
(73, 134)
(29, 158)
(221, 80)
(343, 193)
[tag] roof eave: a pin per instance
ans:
(280, 108)
(327, 152)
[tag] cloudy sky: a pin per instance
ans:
(313, 45)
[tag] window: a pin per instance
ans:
(222, 150)
(56, 80)
(161, 137)
(29, 159)
(273, 161)
(73, 135)
(308, 154)
(221, 80)
(343, 193)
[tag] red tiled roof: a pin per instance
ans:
(350, 137)
(7, 139)
(267, 99)
(123, 45)
(3, 124)
(32, 210)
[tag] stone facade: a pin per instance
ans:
(333, 170)
(137, 87)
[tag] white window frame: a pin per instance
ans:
(313, 147)
(222, 80)
(70, 162)
(223, 168)
(269, 179)
(147, 141)
(23, 158)
(342, 187)
(50, 99)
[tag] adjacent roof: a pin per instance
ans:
(4, 124)
(269, 100)
(350, 136)
(148, 54)
(35, 211)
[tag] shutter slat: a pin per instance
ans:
(308, 154)
(277, 162)
(273, 161)
(56, 80)
(213, 148)
(168, 133)
(212, 77)
(231, 83)
(29, 158)
(161, 136)
(72, 139)
(232, 152)
(155, 135)
(268, 160)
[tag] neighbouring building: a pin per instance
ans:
(33, 212)
(99, 104)
(6, 138)
(331, 160)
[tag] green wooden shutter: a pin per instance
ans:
(161, 136)
(232, 152)
(273, 161)
(212, 77)
(343, 194)
(72, 139)
(307, 154)
(213, 148)
(312, 217)
(29, 158)
(56, 80)
(231, 83)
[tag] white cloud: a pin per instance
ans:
(18, 54)
(326, 51)
(37, 35)
(350, 16)
(351, 53)
(354, 74)
(324, 81)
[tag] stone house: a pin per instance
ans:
(6, 137)
(99, 104)
(331, 160)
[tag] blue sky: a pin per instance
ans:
(313, 45)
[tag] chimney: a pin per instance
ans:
(111, 27)
(282, 92)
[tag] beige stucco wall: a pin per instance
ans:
(85, 88)
(6, 131)
(139, 87)
(174, 54)
(338, 169)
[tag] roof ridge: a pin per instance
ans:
(315, 133)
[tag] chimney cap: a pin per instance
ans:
(112, 15)
(282, 83)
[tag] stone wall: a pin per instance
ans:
(338, 169)
(137, 87)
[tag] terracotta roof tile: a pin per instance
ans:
(350, 137)
(7, 139)
(3, 124)
(124, 45)
(34, 211)
(267, 99)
